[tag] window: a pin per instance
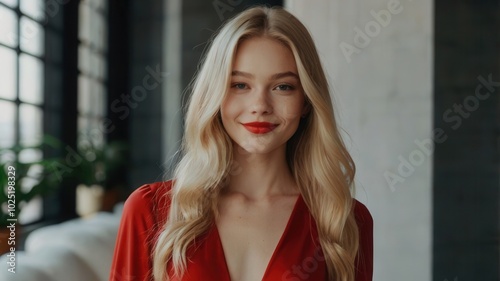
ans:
(92, 66)
(22, 57)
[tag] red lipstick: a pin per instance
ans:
(259, 127)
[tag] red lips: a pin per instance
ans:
(260, 127)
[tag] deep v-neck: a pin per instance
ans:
(276, 249)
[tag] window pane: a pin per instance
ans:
(84, 89)
(91, 97)
(96, 136)
(32, 35)
(31, 79)
(83, 126)
(98, 30)
(96, 65)
(84, 59)
(89, 131)
(95, 4)
(12, 3)
(99, 100)
(7, 156)
(8, 73)
(91, 63)
(7, 123)
(30, 155)
(33, 8)
(8, 27)
(85, 19)
(31, 124)
(32, 211)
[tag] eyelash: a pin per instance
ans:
(235, 85)
(289, 87)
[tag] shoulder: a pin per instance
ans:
(149, 201)
(151, 193)
(362, 214)
(144, 212)
(364, 264)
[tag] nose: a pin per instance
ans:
(261, 103)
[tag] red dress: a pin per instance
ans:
(297, 256)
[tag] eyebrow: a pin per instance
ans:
(273, 77)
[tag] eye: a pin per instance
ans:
(284, 87)
(239, 86)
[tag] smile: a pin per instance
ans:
(260, 127)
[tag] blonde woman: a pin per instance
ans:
(263, 189)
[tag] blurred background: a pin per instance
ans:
(91, 97)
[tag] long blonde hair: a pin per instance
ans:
(317, 156)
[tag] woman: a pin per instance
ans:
(262, 191)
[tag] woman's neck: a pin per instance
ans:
(259, 176)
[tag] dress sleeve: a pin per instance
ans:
(132, 255)
(364, 260)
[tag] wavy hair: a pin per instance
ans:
(316, 154)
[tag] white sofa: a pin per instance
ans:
(76, 250)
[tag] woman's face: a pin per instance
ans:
(265, 102)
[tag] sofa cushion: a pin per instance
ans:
(58, 264)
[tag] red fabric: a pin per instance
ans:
(297, 256)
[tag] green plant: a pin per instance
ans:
(21, 181)
(99, 162)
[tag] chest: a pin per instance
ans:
(241, 252)
(250, 235)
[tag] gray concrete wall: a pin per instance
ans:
(378, 56)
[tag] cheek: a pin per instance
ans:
(229, 110)
(291, 108)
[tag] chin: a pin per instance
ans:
(256, 147)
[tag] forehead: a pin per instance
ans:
(263, 55)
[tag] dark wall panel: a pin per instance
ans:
(466, 165)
